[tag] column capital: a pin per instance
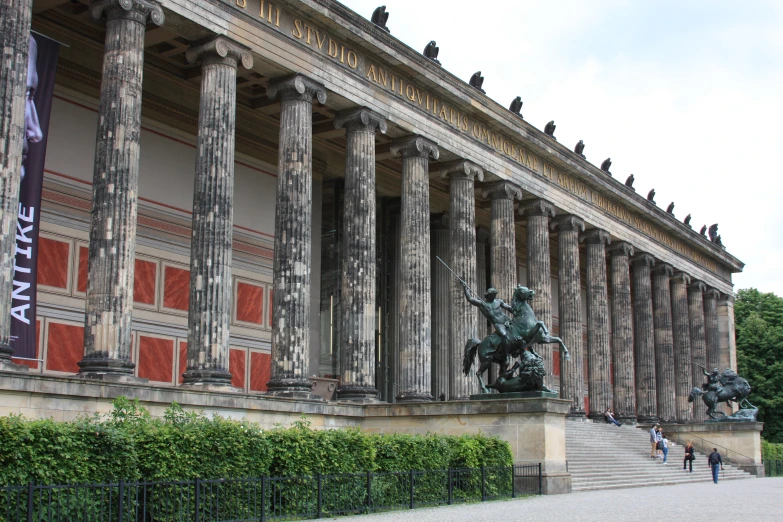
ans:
(711, 293)
(697, 286)
(139, 11)
(537, 207)
(596, 236)
(643, 259)
(729, 298)
(663, 269)
(623, 248)
(222, 50)
(482, 235)
(439, 221)
(501, 190)
(415, 146)
(296, 87)
(361, 119)
(681, 278)
(567, 223)
(462, 169)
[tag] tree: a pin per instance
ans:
(758, 321)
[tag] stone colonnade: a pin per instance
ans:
(661, 321)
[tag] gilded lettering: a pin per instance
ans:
(393, 82)
(260, 8)
(384, 77)
(353, 60)
(410, 92)
(242, 3)
(370, 71)
(297, 32)
(309, 33)
(320, 39)
(419, 96)
(442, 114)
(331, 50)
(277, 17)
(464, 124)
(342, 54)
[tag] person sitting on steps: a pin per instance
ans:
(610, 418)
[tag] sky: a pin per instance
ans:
(686, 95)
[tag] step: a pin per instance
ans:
(602, 486)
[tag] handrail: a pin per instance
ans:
(691, 436)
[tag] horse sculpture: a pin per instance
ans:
(523, 330)
(731, 387)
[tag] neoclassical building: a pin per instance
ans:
(242, 195)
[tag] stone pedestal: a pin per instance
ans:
(464, 323)
(570, 309)
(539, 272)
(15, 37)
(441, 307)
(209, 313)
(622, 334)
(598, 365)
(739, 443)
(415, 341)
(358, 263)
(681, 331)
(503, 250)
(698, 343)
(644, 340)
(293, 237)
(664, 344)
(111, 257)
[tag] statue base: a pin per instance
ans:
(515, 395)
(743, 415)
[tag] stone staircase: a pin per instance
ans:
(604, 456)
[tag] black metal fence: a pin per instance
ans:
(773, 468)
(266, 498)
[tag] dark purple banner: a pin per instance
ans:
(42, 67)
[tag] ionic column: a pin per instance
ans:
(464, 323)
(109, 307)
(599, 384)
(415, 326)
(15, 37)
(727, 349)
(358, 261)
(664, 343)
(503, 250)
(441, 307)
(622, 333)
(711, 334)
(698, 342)
(681, 330)
(539, 270)
(644, 339)
(293, 237)
(209, 314)
(570, 309)
(482, 240)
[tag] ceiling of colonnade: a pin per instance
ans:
(172, 89)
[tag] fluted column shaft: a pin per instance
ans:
(664, 343)
(570, 311)
(622, 333)
(209, 313)
(698, 343)
(293, 237)
(681, 330)
(15, 18)
(464, 323)
(109, 307)
(441, 307)
(598, 368)
(358, 261)
(644, 339)
(711, 334)
(503, 250)
(482, 240)
(415, 305)
(539, 271)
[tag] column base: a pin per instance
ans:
(593, 415)
(292, 389)
(415, 397)
(363, 394)
(212, 378)
(8, 365)
(647, 419)
(90, 366)
(627, 419)
(576, 414)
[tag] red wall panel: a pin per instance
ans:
(144, 282)
(250, 303)
(65, 347)
(81, 276)
(53, 262)
(260, 370)
(236, 365)
(156, 358)
(176, 288)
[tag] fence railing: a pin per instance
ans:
(265, 498)
(773, 468)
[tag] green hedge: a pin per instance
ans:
(771, 450)
(131, 445)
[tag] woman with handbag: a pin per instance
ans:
(689, 457)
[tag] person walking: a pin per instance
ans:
(659, 442)
(716, 463)
(610, 418)
(653, 441)
(664, 447)
(689, 457)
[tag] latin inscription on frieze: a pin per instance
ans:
(338, 50)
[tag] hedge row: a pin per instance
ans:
(771, 450)
(131, 445)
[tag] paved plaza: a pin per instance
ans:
(746, 500)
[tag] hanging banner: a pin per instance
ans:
(42, 67)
